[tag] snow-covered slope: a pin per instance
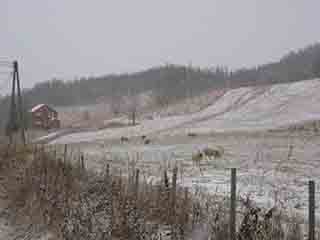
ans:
(276, 106)
(248, 108)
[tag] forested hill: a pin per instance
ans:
(172, 82)
(169, 80)
(176, 81)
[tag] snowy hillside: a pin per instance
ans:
(245, 109)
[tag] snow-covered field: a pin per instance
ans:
(245, 109)
(269, 170)
(273, 167)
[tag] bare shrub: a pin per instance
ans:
(75, 203)
(86, 115)
(294, 231)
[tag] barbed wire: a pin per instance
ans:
(6, 73)
(5, 63)
(5, 83)
(6, 66)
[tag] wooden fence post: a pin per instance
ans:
(174, 189)
(173, 203)
(311, 210)
(65, 153)
(109, 208)
(136, 188)
(108, 172)
(82, 163)
(233, 204)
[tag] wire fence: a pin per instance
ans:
(6, 73)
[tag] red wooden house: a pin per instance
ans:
(44, 116)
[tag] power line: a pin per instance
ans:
(5, 81)
(6, 73)
(5, 62)
(5, 59)
(6, 66)
(2, 65)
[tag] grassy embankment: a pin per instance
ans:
(45, 188)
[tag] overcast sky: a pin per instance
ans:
(73, 38)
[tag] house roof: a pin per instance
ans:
(39, 106)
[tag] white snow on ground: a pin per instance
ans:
(5, 230)
(280, 105)
(50, 135)
(249, 108)
(264, 168)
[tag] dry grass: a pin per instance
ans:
(48, 190)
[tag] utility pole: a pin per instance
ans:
(16, 120)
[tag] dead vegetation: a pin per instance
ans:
(43, 187)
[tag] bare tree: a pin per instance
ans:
(86, 115)
(132, 106)
(133, 110)
(161, 100)
(116, 104)
(316, 66)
